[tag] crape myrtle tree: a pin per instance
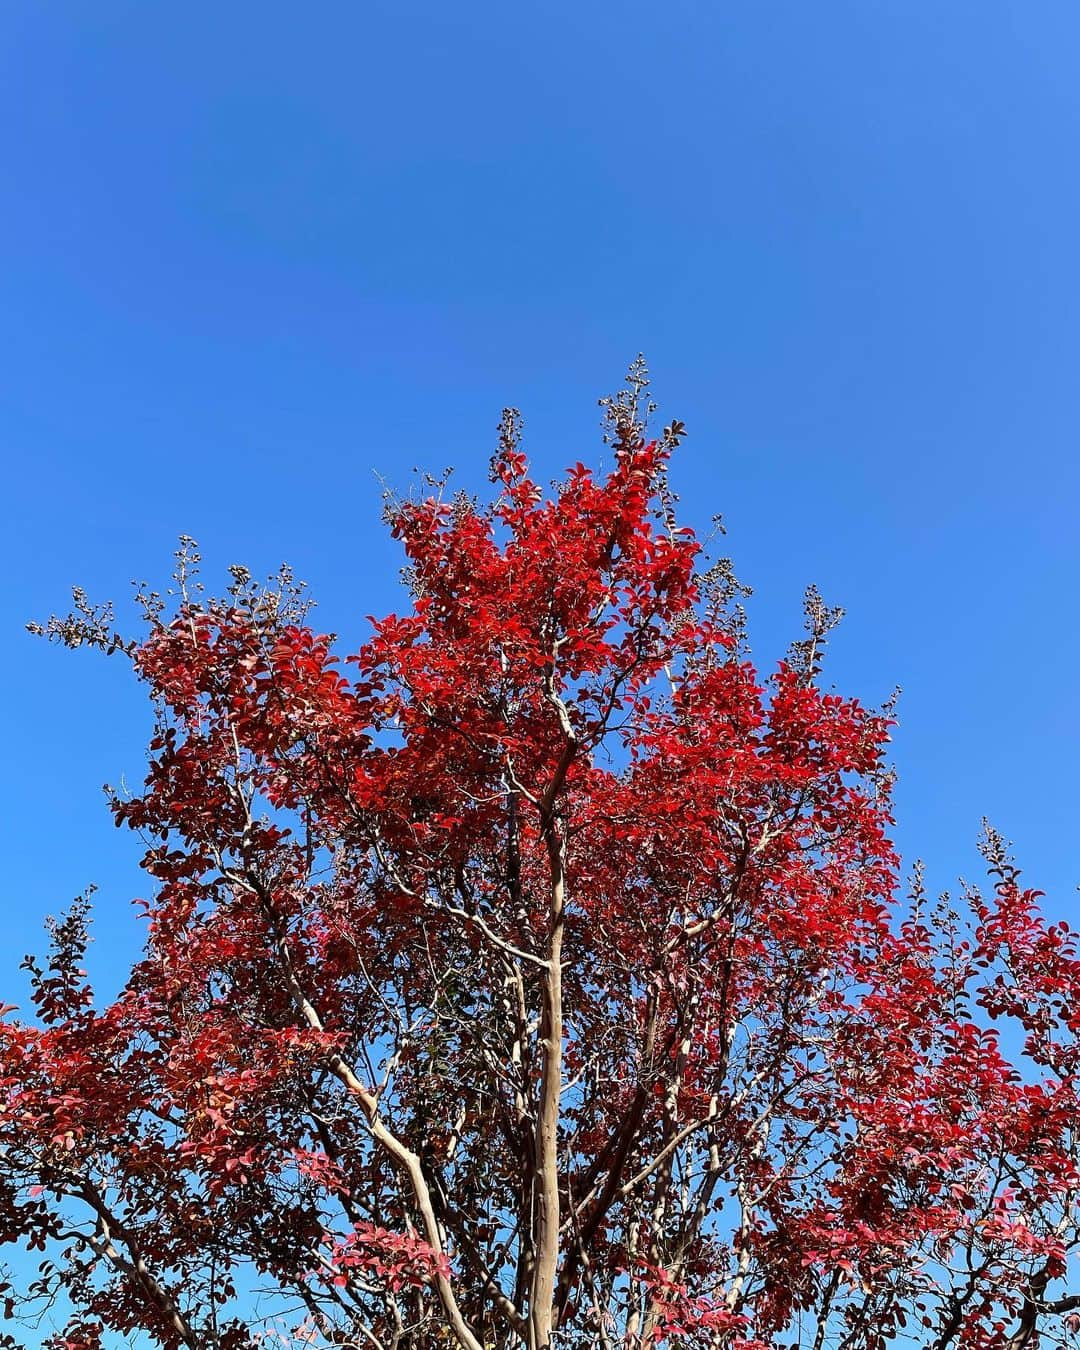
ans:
(536, 975)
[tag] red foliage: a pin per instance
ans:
(538, 976)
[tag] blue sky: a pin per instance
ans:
(257, 255)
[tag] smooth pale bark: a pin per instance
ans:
(542, 1302)
(404, 1158)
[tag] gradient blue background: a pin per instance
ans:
(256, 254)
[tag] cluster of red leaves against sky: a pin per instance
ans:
(538, 976)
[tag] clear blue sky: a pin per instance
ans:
(256, 254)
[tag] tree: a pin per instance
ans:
(539, 976)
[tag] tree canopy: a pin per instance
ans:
(537, 974)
